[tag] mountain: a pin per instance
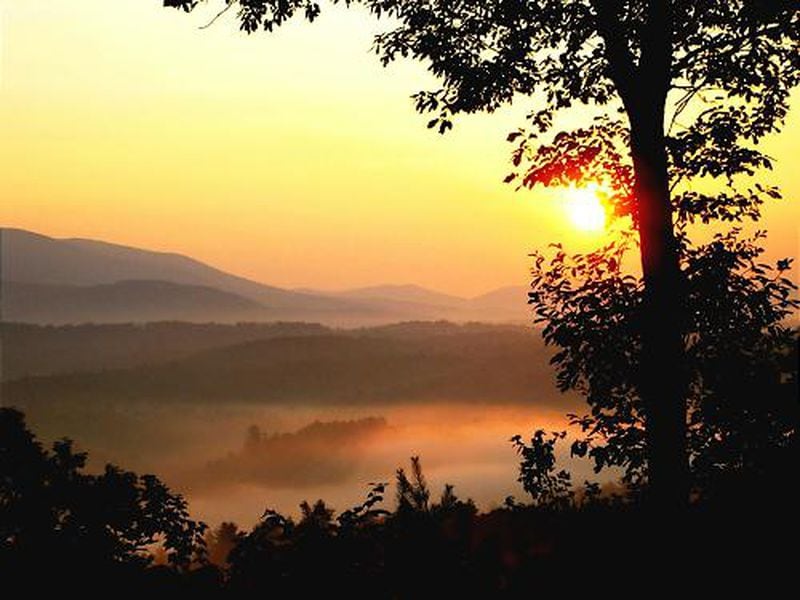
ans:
(123, 301)
(49, 280)
(30, 350)
(34, 258)
(410, 293)
(506, 304)
(508, 297)
(397, 364)
(55, 281)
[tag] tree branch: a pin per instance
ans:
(621, 65)
(719, 42)
(219, 14)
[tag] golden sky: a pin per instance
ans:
(291, 158)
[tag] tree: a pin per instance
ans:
(54, 515)
(538, 475)
(699, 83)
(221, 541)
(741, 359)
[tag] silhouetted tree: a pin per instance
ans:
(71, 533)
(412, 494)
(220, 542)
(55, 517)
(538, 475)
(699, 84)
(316, 518)
(741, 366)
(415, 551)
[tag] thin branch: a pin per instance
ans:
(722, 41)
(218, 15)
(683, 102)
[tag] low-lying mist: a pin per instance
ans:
(233, 461)
(243, 417)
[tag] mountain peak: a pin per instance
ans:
(62, 264)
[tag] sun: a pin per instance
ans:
(585, 208)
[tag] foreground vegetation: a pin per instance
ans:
(65, 529)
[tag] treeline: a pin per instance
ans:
(35, 350)
(66, 531)
(300, 363)
(318, 454)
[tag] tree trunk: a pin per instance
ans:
(662, 380)
(643, 88)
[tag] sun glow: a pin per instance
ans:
(585, 208)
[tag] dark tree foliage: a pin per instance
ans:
(68, 533)
(551, 488)
(365, 550)
(538, 474)
(741, 354)
(429, 549)
(413, 494)
(56, 518)
(221, 541)
(682, 89)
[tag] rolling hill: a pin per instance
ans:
(398, 364)
(123, 301)
(58, 281)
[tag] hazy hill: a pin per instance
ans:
(33, 258)
(399, 293)
(50, 350)
(123, 301)
(321, 453)
(509, 296)
(435, 363)
(503, 304)
(54, 281)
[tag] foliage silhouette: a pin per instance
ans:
(741, 355)
(221, 541)
(422, 549)
(538, 474)
(55, 516)
(684, 90)
(413, 494)
(426, 550)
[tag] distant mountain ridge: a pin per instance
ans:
(398, 293)
(118, 302)
(34, 258)
(60, 281)
(509, 300)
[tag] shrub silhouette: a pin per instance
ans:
(69, 531)
(56, 518)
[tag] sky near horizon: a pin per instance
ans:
(291, 158)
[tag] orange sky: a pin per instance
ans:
(291, 158)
